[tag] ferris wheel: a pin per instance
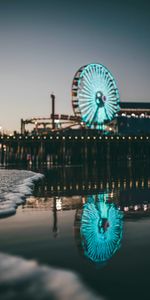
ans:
(95, 96)
(101, 228)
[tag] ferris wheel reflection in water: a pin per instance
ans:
(101, 228)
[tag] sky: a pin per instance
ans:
(43, 43)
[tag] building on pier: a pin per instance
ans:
(133, 118)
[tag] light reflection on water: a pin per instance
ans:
(101, 206)
(101, 228)
(93, 204)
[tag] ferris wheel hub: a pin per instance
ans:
(100, 99)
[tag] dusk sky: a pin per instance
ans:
(43, 43)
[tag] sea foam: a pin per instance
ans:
(15, 185)
(23, 279)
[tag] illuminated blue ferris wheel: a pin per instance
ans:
(95, 96)
(101, 228)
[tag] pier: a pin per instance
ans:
(73, 147)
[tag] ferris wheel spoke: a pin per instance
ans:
(87, 85)
(84, 93)
(112, 92)
(110, 85)
(85, 89)
(86, 97)
(86, 102)
(88, 79)
(86, 108)
(88, 111)
(112, 88)
(111, 105)
(109, 113)
(91, 77)
(87, 115)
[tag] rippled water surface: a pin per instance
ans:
(93, 222)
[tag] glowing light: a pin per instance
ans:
(126, 208)
(58, 204)
(136, 207)
(97, 97)
(101, 228)
(142, 115)
(57, 121)
(145, 207)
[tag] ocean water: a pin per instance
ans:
(80, 234)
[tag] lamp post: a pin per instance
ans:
(53, 110)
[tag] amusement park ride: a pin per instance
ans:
(95, 101)
(96, 105)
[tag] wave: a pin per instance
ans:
(15, 185)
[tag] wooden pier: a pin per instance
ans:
(75, 147)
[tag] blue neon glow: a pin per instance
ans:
(98, 96)
(101, 228)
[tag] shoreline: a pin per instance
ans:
(15, 186)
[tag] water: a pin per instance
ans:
(67, 209)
